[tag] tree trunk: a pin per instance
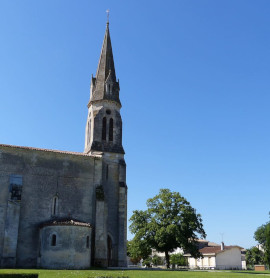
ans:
(167, 257)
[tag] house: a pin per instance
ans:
(217, 257)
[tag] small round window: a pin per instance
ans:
(108, 112)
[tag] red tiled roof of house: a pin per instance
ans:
(217, 249)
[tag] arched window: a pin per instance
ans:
(54, 205)
(111, 130)
(104, 127)
(53, 242)
(87, 242)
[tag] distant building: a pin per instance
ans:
(63, 209)
(217, 257)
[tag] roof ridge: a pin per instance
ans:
(46, 150)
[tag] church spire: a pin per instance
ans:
(103, 131)
(104, 86)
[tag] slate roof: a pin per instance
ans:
(105, 69)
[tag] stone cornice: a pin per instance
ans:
(102, 101)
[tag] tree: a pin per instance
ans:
(262, 235)
(178, 259)
(259, 234)
(147, 262)
(254, 256)
(156, 260)
(267, 245)
(168, 223)
(137, 250)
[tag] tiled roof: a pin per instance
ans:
(213, 244)
(216, 249)
(44, 150)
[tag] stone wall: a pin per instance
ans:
(93, 137)
(71, 249)
(11, 234)
(114, 181)
(46, 174)
(62, 185)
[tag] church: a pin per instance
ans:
(68, 210)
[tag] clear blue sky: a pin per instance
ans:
(194, 79)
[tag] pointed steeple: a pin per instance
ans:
(104, 86)
(103, 131)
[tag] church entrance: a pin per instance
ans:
(109, 248)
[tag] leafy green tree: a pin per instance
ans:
(156, 260)
(138, 250)
(267, 245)
(178, 259)
(260, 235)
(254, 256)
(147, 261)
(168, 223)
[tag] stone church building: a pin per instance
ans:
(68, 210)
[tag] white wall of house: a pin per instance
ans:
(229, 259)
(206, 262)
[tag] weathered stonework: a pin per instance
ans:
(72, 245)
(52, 201)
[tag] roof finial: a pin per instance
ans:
(108, 15)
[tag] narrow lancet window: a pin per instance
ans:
(107, 172)
(104, 127)
(111, 130)
(54, 205)
(53, 243)
(87, 242)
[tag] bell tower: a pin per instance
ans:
(104, 136)
(104, 123)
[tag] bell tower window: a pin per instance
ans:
(111, 130)
(104, 127)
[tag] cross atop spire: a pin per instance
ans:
(100, 89)
(108, 15)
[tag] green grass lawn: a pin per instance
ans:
(135, 273)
